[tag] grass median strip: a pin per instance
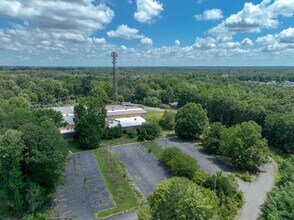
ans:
(120, 187)
(153, 148)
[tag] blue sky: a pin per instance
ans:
(147, 32)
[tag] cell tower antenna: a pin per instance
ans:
(114, 83)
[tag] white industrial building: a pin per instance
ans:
(128, 116)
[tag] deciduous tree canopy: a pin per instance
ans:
(180, 198)
(89, 118)
(245, 146)
(191, 121)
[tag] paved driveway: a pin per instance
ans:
(254, 193)
(143, 168)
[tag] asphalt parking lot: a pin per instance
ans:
(145, 170)
(254, 192)
(84, 192)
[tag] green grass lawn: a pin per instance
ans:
(153, 148)
(74, 146)
(154, 116)
(118, 141)
(120, 187)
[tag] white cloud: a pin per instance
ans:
(177, 43)
(247, 42)
(63, 15)
(58, 25)
(253, 18)
(276, 42)
(146, 41)
(212, 14)
(125, 32)
(286, 36)
(99, 40)
(123, 48)
(148, 11)
(214, 43)
(204, 43)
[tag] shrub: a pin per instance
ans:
(225, 188)
(111, 133)
(131, 133)
(170, 153)
(180, 164)
(148, 131)
(167, 120)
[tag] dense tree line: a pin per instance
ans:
(32, 156)
(280, 203)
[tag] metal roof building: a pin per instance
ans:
(127, 116)
(127, 123)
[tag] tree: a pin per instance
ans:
(152, 101)
(180, 198)
(279, 130)
(191, 121)
(45, 155)
(167, 120)
(19, 102)
(89, 118)
(225, 188)
(211, 140)
(11, 157)
(280, 203)
(245, 146)
(99, 92)
(50, 114)
(148, 131)
(114, 132)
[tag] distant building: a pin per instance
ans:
(128, 116)
(127, 123)
(68, 132)
(119, 111)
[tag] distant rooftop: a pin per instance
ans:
(112, 111)
(127, 111)
(127, 122)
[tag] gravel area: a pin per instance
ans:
(84, 192)
(254, 193)
(142, 167)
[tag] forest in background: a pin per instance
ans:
(230, 96)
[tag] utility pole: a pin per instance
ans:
(114, 83)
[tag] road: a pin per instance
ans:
(254, 193)
(153, 109)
